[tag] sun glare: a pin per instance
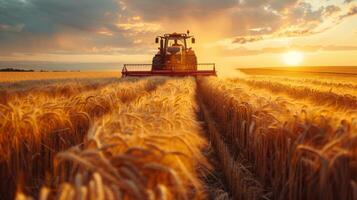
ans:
(293, 58)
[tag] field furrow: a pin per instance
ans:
(299, 155)
(250, 138)
(241, 182)
(149, 149)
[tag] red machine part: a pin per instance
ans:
(142, 70)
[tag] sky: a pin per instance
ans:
(102, 34)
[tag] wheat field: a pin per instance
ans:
(13, 77)
(259, 136)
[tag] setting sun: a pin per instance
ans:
(293, 58)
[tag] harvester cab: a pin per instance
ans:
(174, 58)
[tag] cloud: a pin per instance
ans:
(119, 26)
(66, 25)
(11, 28)
(243, 40)
(243, 51)
(154, 10)
(272, 19)
(331, 10)
(276, 5)
(47, 16)
(243, 17)
(348, 1)
(352, 11)
(301, 19)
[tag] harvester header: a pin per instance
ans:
(174, 58)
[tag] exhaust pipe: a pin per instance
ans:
(162, 47)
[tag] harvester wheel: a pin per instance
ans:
(157, 63)
(191, 61)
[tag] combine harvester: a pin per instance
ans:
(174, 58)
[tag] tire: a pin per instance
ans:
(191, 62)
(157, 62)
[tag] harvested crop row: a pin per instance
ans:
(299, 155)
(329, 99)
(34, 130)
(50, 89)
(241, 182)
(148, 150)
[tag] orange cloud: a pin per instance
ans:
(127, 27)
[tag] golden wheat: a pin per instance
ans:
(291, 146)
(275, 138)
(149, 149)
(313, 94)
(35, 128)
(15, 77)
(11, 92)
